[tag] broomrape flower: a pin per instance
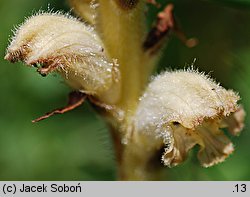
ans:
(185, 108)
(108, 60)
(55, 42)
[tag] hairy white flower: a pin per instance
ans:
(185, 108)
(64, 44)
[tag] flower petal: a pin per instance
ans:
(183, 140)
(235, 122)
(216, 145)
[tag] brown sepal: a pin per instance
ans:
(75, 100)
(165, 23)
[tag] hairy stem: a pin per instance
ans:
(135, 162)
(118, 27)
(121, 25)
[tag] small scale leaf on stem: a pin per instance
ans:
(75, 100)
(165, 23)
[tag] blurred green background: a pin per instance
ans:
(76, 145)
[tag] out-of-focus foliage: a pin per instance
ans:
(234, 2)
(76, 145)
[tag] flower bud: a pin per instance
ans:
(185, 108)
(64, 44)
